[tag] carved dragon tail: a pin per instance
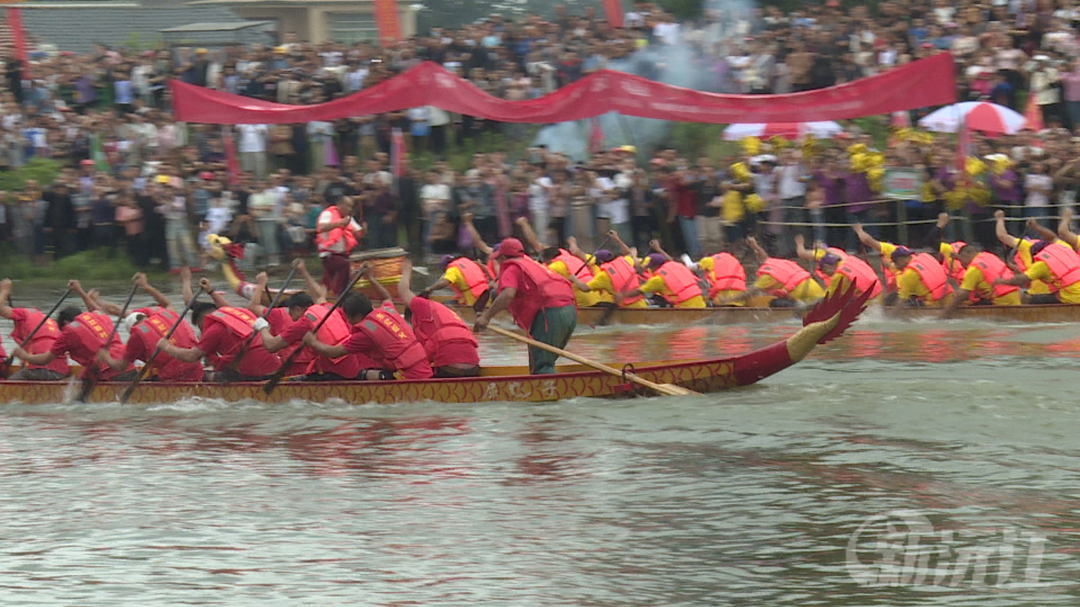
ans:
(827, 321)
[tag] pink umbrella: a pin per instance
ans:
(787, 130)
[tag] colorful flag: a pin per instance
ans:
(232, 162)
(613, 9)
(18, 35)
(388, 20)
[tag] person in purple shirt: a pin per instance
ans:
(830, 179)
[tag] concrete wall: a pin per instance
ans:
(313, 23)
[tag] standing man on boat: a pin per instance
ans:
(146, 326)
(224, 330)
(82, 335)
(1055, 265)
(336, 235)
(541, 302)
(380, 333)
(788, 283)
(25, 319)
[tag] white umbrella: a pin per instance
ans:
(979, 116)
(788, 130)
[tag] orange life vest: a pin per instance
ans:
(681, 282)
(1064, 265)
(541, 287)
(475, 279)
(43, 340)
(952, 265)
(786, 272)
(993, 268)
(154, 328)
(395, 343)
(574, 265)
(861, 275)
(822, 275)
(334, 331)
(92, 331)
(727, 274)
(932, 274)
(441, 326)
(623, 278)
(326, 239)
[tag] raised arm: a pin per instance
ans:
(865, 238)
(804, 253)
(314, 289)
(158, 296)
(74, 285)
(185, 281)
(1064, 230)
(758, 251)
(5, 293)
(655, 246)
(477, 241)
(1044, 232)
(404, 286)
(623, 249)
(107, 307)
(530, 236)
(219, 301)
(365, 271)
(255, 304)
(1002, 233)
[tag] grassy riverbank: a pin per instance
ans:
(88, 266)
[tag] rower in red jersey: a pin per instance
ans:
(82, 335)
(279, 318)
(146, 326)
(25, 319)
(305, 311)
(224, 330)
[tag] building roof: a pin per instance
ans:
(230, 26)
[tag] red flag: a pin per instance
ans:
(18, 35)
(232, 162)
(397, 152)
(1033, 115)
(614, 11)
(389, 21)
(596, 137)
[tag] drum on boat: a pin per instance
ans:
(385, 268)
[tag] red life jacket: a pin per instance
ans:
(440, 327)
(574, 265)
(541, 287)
(680, 281)
(788, 273)
(623, 278)
(993, 268)
(932, 274)
(326, 239)
(1064, 265)
(861, 275)
(395, 343)
(835, 251)
(153, 329)
(727, 274)
(474, 275)
(238, 322)
(333, 332)
(43, 340)
(91, 330)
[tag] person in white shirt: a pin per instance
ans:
(252, 148)
(539, 188)
(435, 204)
(791, 190)
(263, 206)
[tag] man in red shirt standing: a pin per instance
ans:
(380, 333)
(541, 302)
(25, 319)
(224, 330)
(82, 335)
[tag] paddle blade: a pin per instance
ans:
(272, 383)
(86, 388)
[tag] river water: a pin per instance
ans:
(930, 463)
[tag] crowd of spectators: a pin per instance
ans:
(132, 177)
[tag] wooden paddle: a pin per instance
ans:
(666, 389)
(273, 304)
(284, 368)
(592, 256)
(92, 378)
(44, 319)
(150, 361)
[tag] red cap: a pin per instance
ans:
(510, 247)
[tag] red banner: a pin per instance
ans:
(18, 36)
(924, 83)
(389, 21)
(614, 12)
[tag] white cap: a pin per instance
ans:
(131, 320)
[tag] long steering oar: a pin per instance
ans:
(273, 304)
(150, 361)
(30, 337)
(666, 389)
(92, 377)
(287, 364)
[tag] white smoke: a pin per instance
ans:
(690, 63)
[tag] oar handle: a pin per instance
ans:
(41, 323)
(266, 313)
(592, 256)
(283, 369)
(95, 374)
(150, 361)
(670, 390)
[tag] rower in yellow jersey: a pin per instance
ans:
(922, 280)
(847, 271)
(785, 280)
(1038, 291)
(885, 249)
(671, 280)
(615, 275)
(980, 277)
(566, 263)
(1055, 265)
